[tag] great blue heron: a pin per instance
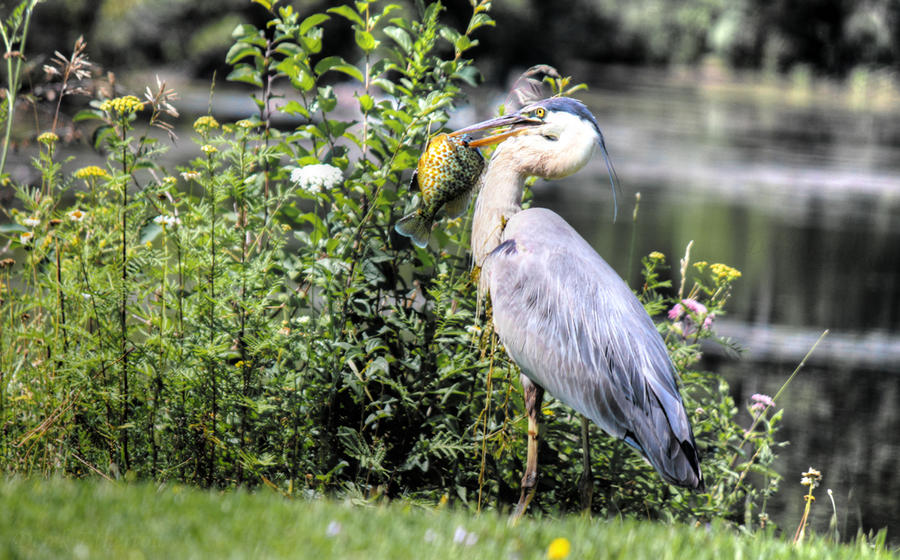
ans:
(566, 318)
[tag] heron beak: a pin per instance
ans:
(507, 122)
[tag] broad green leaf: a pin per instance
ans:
(294, 107)
(366, 103)
(479, 20)
(245, 73)
(390, 8)
(349, 13)
(366, 41)
(386, 85)
(241, 50)
(468, 74)
(401, 37)
(450, 34)
(249, 34)
(339, 64)
(86, 114)
(464, 43)
(289, 49)
(312, 21)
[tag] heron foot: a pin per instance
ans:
(524, 500)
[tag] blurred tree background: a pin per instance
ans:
(830, 37)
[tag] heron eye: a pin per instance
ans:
(540, 112)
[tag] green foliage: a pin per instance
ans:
(14, 32)
(256, 321)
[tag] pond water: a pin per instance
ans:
(802, 194)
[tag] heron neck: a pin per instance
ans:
(498, 200)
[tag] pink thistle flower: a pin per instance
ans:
(762, 400)
(707, 323)
(694, 306)
(676, 311)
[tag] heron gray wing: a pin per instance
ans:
(575, 328)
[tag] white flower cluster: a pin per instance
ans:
(167, 221)
(314, 178)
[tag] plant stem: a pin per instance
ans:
(211, 366)
(13, 73)
(122, 307)
(631, 246)
(242, 311)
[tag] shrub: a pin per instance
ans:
(252, 319)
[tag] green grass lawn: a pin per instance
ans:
(65, 519)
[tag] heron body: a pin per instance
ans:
(575, 328)
(566, 318)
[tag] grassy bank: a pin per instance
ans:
(64, 519)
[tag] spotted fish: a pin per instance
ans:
(446, 174)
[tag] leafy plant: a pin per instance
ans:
(252, 319)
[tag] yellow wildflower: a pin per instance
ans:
(48, 138)
(657, 256)
(559, 549)
(209, 149)
(91, 171)
(245, 123)
(169, 181)
(724, 273)
(701, 265)
(122, 105)
(205, 123)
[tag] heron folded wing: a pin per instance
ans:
(576, 329)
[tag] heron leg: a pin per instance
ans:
(586, 484)
(534, 395)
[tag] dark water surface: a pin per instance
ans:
(802, 196)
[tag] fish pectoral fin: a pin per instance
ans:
(457, 207)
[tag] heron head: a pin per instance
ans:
(552, 138)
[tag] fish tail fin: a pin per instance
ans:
(415, 226)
